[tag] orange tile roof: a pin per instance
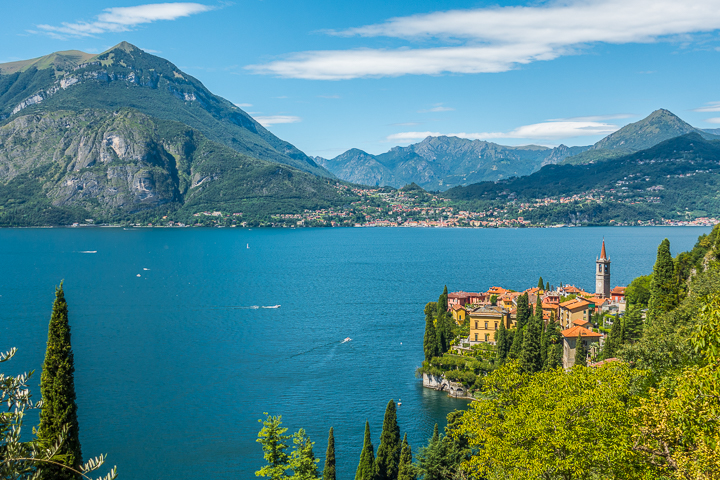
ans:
(575, 302)
(578, 331)
(457, 307)
(618, 290)
(580, 322)
(497, 290)
(603, 255)
(573, 289)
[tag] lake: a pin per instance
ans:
(176, 360)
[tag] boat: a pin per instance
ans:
(346, 340)
(272, 306)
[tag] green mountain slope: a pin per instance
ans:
(125, 76)
(65, 166)
(657, 127)
(676, 176)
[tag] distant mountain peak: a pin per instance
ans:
(125, 46)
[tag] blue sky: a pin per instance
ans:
(332, 75)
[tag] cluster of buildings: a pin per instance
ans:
(570, 306)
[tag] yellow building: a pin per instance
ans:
(485, 321)
(575, 309)
(458, 313)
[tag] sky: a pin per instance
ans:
(328, 76)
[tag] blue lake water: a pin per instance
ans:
(174, 367)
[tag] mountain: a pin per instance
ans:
(65, 166)
(127, 77)
(439, 163)
(679, 175)
(657, 127)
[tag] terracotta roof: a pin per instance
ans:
(603, 255)
(575, 302)
(497, 290)
(457, 307)
(580, 322)
(618, 290)
(577, 331)
(573, 289)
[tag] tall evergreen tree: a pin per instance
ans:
(388, 453)
(543, 345)
(547, 286)
(541, 284)
(442, 302)
(663, 287)
(530, 354)
(436, 435)
(580, 352)
(274, 443)
(613, 341)
(430, 342)
(553, 345)
(406, 470)
(302, 460)
(516, 347)
(501, 342)
(57, 385)
(366, 467)
(523, 310)
(633, 325)
(329, 469)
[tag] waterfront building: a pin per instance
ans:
(458, 313)
(485, 321)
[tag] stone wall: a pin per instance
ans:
(442, 384)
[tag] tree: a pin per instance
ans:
(430, 342)
(663, 288)
(555, 425)
(442, 302)
(516, 347)
(580, 352)
(638, 292)
(493, 300)
(523, 310)
(530, 354)
(329, 469)
(57, 386)
(501, 341)
(553, 345)
(614, 340)
(366, 467)
(274, 443)
(406, 470)
(388, 453)
(547, 286)
(541, 284)
(26, 459)
(302, 459)
(633, 325)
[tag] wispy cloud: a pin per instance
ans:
(268, 120)
(710, 107)
(713, 120)
(593, 118)
(437, 108)
(123, 19)
(536, 131)
(498, 39)
(243, 105)
(333, 97)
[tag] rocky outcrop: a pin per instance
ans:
(442, 384)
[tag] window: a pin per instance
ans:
(496, 325)
(476, 337)
(487, 337)
(486, 325)
(476, 324)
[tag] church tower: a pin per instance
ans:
(602, 274)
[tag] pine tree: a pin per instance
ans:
(580, 352)
(633, 325)
(366, 467)
(274, 443)
(388, 453)
(663, 287)
(430, 342)
(436, 435)
(541, 284)
(57, 385)
(302, 460)
(329, 469)
(501, 341)
(406, 470)
(530, 354)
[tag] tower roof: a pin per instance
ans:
(603, 255)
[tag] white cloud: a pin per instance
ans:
(243, 105)
(123, 19)
(437, 108)
(710, 107)
(543, 130)
(501, 38)
(266, 121)
(713, 120)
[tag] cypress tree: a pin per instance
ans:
(430, 342)
(663, 288)
(406, 471)
(523, 310)
(442, 303)
(541, 284)
(366, 467)
(388, 454)
(553, 343)
(516, 347)
(530, 355)
(547, 286)
(544, 345)
(614, 340)
(580, 353)
(57, 385)
(329, 469)
(501, 341)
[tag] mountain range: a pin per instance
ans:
(440, 163)
(125, 132)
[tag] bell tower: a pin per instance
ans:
(602, 274)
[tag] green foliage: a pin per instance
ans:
(366, 466)
(430, 340)
(502, 343)
(302, 459)
(329, 469)
(493, 300)
(23, 458)
(663, 287)
(530, 353)
(388, 453)
(274, 443)
(58, 416)
(632, 325)
(613, 340)
(580, 352)
(541, 284)
(523, 310)
(406, 470)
